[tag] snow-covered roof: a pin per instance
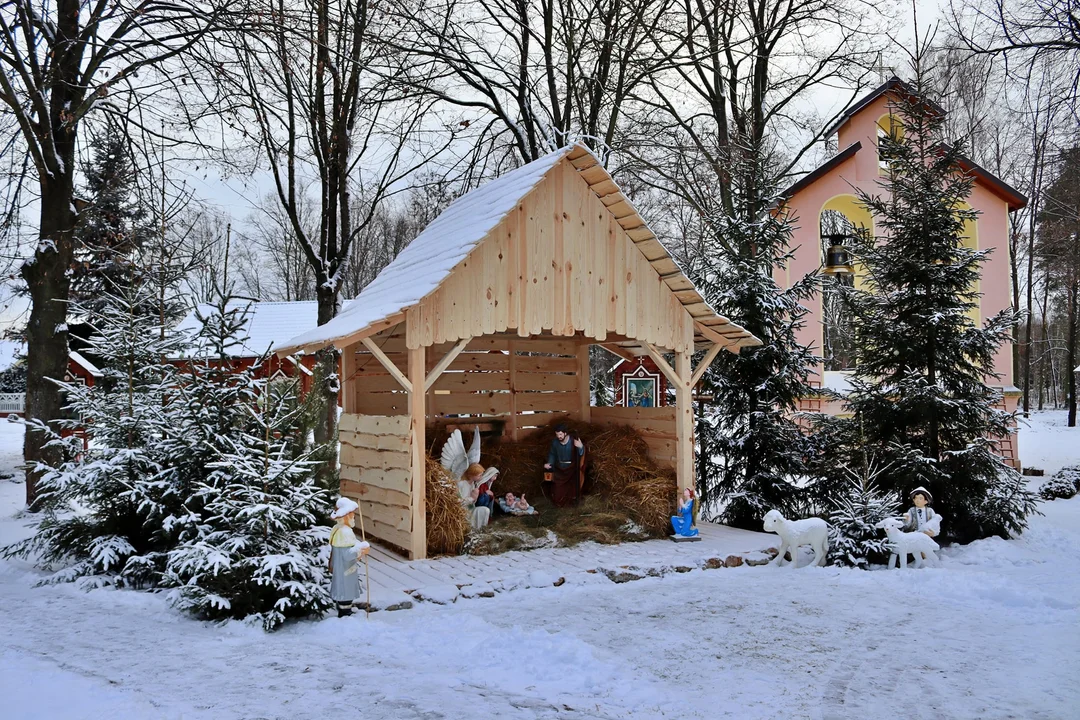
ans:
(269, 324)
(85, 364)
(10, 351)
(429, 259)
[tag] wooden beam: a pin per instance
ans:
(710, 334)
(448, 358)
(584, 387)
(371, 329)
(618, 351)
(705, 363)
(342, 342)
(418, 454)
(663, 364)
(389, 365)
(684, 424)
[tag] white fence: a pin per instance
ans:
(12, 403)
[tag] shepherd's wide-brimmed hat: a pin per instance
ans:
(344, 507)
(924, 491)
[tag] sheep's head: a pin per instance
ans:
(890, 522)
(772, 519)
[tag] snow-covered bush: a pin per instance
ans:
(1064, 484)
(1057, 487)
(1070, 474)
(853, 539)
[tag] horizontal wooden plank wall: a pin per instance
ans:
(558, 263)
(375, 471)
(656, 425)
(479, 382)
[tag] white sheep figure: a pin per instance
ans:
(793, 533)
(903, 544)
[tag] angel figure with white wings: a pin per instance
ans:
(474, 483)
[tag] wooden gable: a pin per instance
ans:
(559, 262)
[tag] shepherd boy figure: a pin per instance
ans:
(345, 550)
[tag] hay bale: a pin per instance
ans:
(447, 523)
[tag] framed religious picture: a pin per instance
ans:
(640, 388)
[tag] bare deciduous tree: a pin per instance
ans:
(736, 72)
(530, 76)
(1028, 33)
(63, 61)
(307, 79)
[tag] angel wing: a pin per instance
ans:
(454, 458)
(474, 451)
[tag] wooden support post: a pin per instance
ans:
(511, 427)
(684, 423)
(418, 445)
(348, 384)
(584, 384)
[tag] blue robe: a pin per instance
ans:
(683, 523)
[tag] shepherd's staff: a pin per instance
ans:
(367, 574)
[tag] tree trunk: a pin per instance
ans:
(1014, 275)
(327, 369)
(1070, 349)
(1028, 320)
(46, 331)
(1047, 347)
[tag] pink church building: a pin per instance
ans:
(825, 209)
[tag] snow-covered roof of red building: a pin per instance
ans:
(269, 324)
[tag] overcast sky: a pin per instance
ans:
(235, 196)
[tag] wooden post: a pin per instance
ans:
(684, 422)
(418, 445)
(348, 385)
(584, 386)
(512, 425)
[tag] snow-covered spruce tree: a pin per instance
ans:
(114, 226)
(13, 378)
(752, 449)
(100, 521)
(258, 550)
(853, 539)
(920, 392)
(211, 410)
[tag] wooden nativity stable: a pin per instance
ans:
(487, 317)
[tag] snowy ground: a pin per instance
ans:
(1045, 441)
(994, 633)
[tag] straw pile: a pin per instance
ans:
(447, 523)
(628, 497)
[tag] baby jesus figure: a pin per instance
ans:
(513, 505)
